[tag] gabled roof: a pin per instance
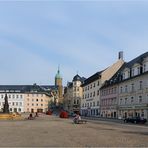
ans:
(117, 77)
(92, 78)
(138, 59)
(27, 88)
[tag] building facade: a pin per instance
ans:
(90, 104)
(126, 93)
(133, 88)
(109, 101)
(73, 94)
(25, 98)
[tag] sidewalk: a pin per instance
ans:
(108, 120)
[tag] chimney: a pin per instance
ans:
(120, 55)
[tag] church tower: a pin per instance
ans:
(58, 83)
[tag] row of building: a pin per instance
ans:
(32, 98)
(119, 91)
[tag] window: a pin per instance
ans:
(9, 96)
(77, 101)
(20, 103)
(37, 100)
(91, 86)
(91, 94)
(36, 104)
(77, 88)
(123, 75)
(98, 83)
(120, 89)
(28, 104)
(32, 104)
(74, 101)
(74, 88)
(125, 100)
(88, 87)
(140, 85)
(97, 103)
(97, 92)
(13, 103)
(11, 109)
(13, 96)
(144, 68)
(94, 94)
(1, 96)
(93, 103)
(87, 104)
(132, 87)
(41, 104)
(132, 99)
(125, 88)
(17, 96)
(94, 84)
(138, 70)
(112, 91)
(90, 104)
(121, 101)
(21, 96)
(32, 99)
(41, 100)
(140, 99)
(133, 72)
(19, 109)
(87, 95)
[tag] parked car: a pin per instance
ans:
(135, 120)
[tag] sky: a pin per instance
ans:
(81, 37)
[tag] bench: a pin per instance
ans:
(82, 121)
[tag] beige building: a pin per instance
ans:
(90, 103)
(73, 95)
(37, 102)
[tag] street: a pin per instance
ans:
(52, 131)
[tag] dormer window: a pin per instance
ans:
(144, 67)
(138, 70)
(133, 71)
(123, 76)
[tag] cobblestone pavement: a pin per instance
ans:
(47, 131)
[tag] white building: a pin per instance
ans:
(133, 88)
(15, 98)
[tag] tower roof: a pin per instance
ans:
(58, 75)
(77, 78)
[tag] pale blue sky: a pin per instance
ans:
(84, 36)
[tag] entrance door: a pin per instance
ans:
(15, 110)
(32, 110)
(114, 114)
(39, 110)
